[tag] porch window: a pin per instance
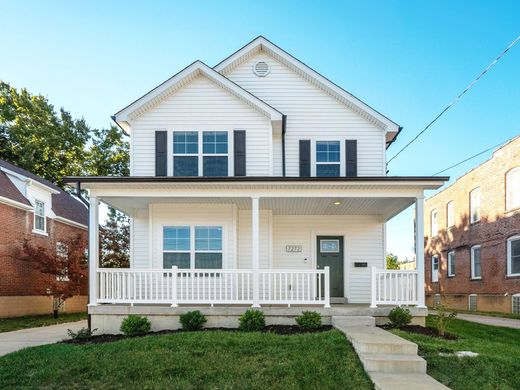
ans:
(476, 270)
(513, 256)
(435, 269)
(176, 246)
(39, 216)
(474, 205)
(451, 263)
(327, 158)
(215, 153)
(185, 153)
(208, 247)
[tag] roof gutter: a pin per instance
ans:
(393, 140)
(113, 117)
(284, 124)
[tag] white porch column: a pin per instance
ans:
(255, 249)
(93, 249)
(419, 248)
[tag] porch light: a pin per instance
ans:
(337, 203)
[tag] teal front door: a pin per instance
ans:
(330, 253)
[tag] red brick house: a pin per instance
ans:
(472, 237)
(35, 209)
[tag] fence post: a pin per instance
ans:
(373, 287)
(327, 286)
(174, 286)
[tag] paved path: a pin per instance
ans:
(18, 339)
(488, 320)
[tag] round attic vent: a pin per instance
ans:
(261, 69)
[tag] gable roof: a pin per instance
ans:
(182, 78)
(64, 205)
(263, 44)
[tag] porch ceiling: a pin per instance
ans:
(385, 207)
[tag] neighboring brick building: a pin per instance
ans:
(35, 209)
(472, 237)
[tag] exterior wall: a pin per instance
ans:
(19, 306)
(492, 231)
(20, 284)
(202, 105)
(311, 114)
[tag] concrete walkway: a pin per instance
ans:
(487, 320)
(18, 339)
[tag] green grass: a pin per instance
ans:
(490, 314)
(17, 323)
(192, 360)
(496, 367)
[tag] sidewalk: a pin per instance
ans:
(487, 320)
(13, 341)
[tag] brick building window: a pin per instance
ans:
(474, 205)
(513, 189)
(434, 227)
(451, 263)
(450, 214)
(515, 304)
(513, 256)
(435, 269)
(39, 216)
(472, 302)
(476, 270)
(436, 300)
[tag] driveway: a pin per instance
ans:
(13, 341)
(488, 320)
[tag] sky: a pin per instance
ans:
(407, 59)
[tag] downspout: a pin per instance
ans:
(284, 123)
(86, 202)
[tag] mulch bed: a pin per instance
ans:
(277, 329)
(424, 330)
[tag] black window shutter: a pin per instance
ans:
(351, 157)
(305, 158)
(239, 148)
(161, 163)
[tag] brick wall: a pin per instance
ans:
(496, 225)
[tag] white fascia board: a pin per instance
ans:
(14, 203)
(124, 116)
(323, 82)
(43, 186)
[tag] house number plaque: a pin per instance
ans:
(293, 248)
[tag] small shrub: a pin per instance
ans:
(82, 334)
(399, 316)
(135, 325)
(193, 320)
(309, 320)
(443, 317)
(252, 320)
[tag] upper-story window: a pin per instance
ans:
(450, 214)
(200, 153)
(474, 205)
(328, 158)
(434, 224)
(39, 216)
(451, 263)
(513, 189)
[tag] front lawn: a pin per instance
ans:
(192, 360)
(17, 323)
(496, 367)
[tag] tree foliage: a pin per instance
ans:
(115, 241)
(392, 262)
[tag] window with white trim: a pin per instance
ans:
(515, 304)
(472, 302)
(513, 256)
(435, 268)
(450, 214)
(185, 153)
(62, 252)
(192, 247)
(39, 215)
(513, 189)
(215, 153)
(434, 226)
(328, 163)
(451, 263)
(474, 205)
(476, 267)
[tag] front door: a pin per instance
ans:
(330, 253)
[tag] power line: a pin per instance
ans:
(459, 96)
(469, 158)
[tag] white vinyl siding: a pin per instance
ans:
(435, 269)
(139, 244)
(311, 113)
(201, 105)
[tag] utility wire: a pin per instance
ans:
(458, 97)
(469, 158)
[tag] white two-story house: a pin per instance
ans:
(255, 182)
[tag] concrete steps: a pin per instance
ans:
(386, 381)
(349, 321)
(393, 363)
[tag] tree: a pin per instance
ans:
(115, 241)
(64, 266)
(392, 262)
(108, 154)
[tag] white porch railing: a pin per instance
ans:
(210, 286)
(394, 287)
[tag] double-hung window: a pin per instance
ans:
(328, 158)
(434, 226)
(513, 189)
(39, 216)
(450, 214)
(435, 268)
(215, 153)
(451, 263)
(192, 247)
(185, 153)
(513, 256)
(474, 205)
(476, 268)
